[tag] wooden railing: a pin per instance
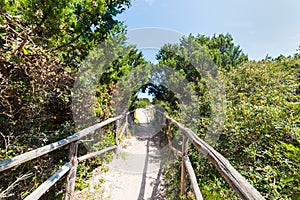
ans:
(237, 182)
(244, 189)
(70, 166)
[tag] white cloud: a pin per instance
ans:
(150, 2)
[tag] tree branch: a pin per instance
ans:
(71, 41)
(6, 194)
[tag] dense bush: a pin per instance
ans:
(42, 44)
(261, 136)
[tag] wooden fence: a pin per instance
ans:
(243, 188)
(70, 166)
(237, 182)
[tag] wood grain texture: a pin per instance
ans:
(194, 183)
(237, 182)
(71, 178)
(183, 171)
(36, 194)
(11, 162)
(97, 153)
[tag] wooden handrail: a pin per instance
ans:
(97, 153)
(69, 166)
(37, 193)
(183, 172)
(124, 127)
(194, 183)
(237, 182)
(233, 178)
(17, 160)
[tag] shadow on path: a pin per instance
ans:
(144, 177)
(156, 193)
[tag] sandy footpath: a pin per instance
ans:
(134, 174)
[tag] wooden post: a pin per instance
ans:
(126, 124)
(17, 160)
(231, 175)
(71, 178)
(123, 130)
(183, 172)
(116, 133)
(193, 178)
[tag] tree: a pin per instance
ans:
(66, 28)
(225, 53)
(42, 44)
(260, 136)
(221, 48)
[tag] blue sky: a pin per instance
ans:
(259, 27)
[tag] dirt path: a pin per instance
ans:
(134, 174)
(136, 171)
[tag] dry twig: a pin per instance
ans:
(5, 193)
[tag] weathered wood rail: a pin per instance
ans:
(237, 182)
(70, 166)
(243, 188)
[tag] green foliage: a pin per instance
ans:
(263, 111)
(261, 135)
(67, 28)
(45, 41)
(224, 53)
(42, 44)
(262, 118)
(104, 76)
(223, 50)
(141, 103)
